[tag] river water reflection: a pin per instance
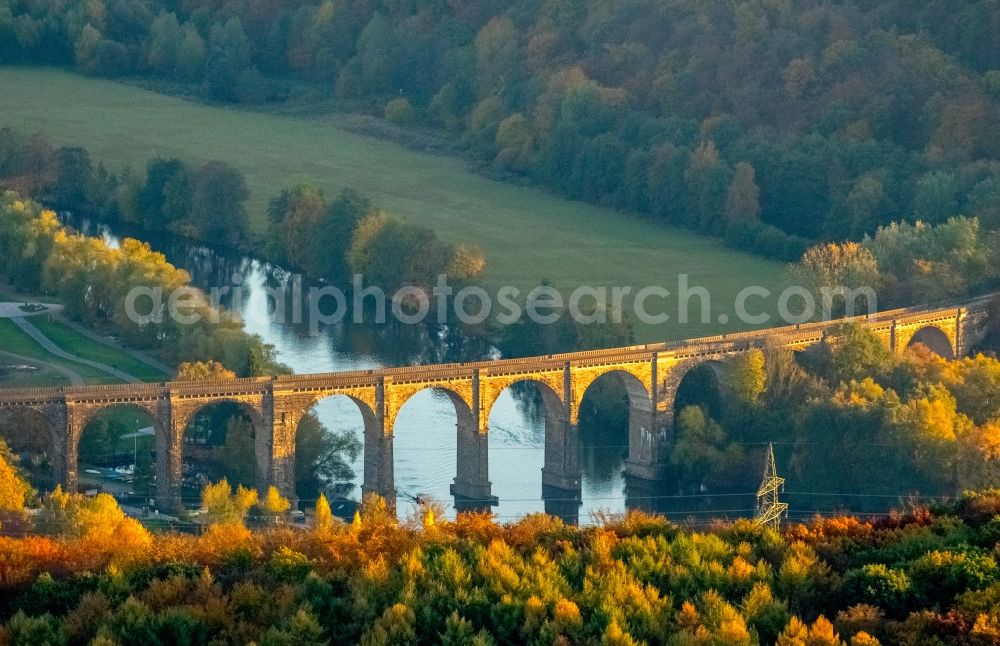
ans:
(425, 442)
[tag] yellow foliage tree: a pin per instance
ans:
(323, 522)
(222, 505)
(747, 377)
(795, 633)
(97, 521)
(243, 499)
(13, 489)
(821, 633)
(203, 371)
(466, 262)
(274, 504)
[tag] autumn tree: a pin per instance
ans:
(746, 378)
(833, 272)
(203, 371)
(323, 522)
(273, 504)
(223, 505)
(14, 489)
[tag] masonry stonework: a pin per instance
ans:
(650, 374)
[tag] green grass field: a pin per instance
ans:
(72, 341)
(42, 377)
(13, 339)
(528, 234)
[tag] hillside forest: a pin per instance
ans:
(774, 123)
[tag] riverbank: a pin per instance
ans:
(62, 352)
(528, 234)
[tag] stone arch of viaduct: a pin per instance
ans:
(650, 374)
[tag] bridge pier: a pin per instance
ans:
(274, 443)
(563, 504)
(651, 374)
(648, 435)
(67, 449)
(561, 473)
(379, 476)
(170, 459)
(472, 488)
(643, 494)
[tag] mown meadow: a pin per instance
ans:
(528, 235)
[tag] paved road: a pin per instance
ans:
(55, 350)
(74, 378)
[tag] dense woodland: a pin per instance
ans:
(855, 424)
(860, 139)
(91, 575)
(772, 122)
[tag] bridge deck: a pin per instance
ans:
(689, 348)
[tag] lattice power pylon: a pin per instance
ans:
(770, 509)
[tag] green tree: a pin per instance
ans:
(868, 201)
(392, 253)
(165, 199)
(144, 480)
(218, 203)
(707, 179)
(746, 378)
(879, 585)
(337, 231)
(228, 54)
(701, 449)
(191, 53)
(497, 56)
(515, 143)
(399, 111)
(322, 456)
(302, 628)
(833, 271)
(165, 42)
(237, 456)
(295, 218)
(74, 178)
(856, 352)
(743, 197)
(936, 199)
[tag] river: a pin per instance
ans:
(425, 442)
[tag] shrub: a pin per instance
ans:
(400, 111)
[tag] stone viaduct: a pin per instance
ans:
(651, 375)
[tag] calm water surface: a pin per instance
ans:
(425, 444)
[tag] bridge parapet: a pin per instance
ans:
(650, 372)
